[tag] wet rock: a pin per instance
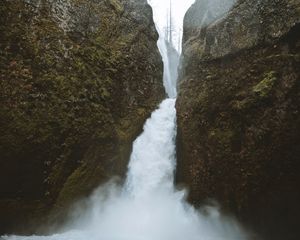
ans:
(77, 81)
(238, 114)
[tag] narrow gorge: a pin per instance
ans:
(149, 120)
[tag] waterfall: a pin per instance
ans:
(148, 206)
(152, 161)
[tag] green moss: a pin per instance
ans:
(240, 105)
(118, 7)
(67, 95)
(264, 87)
(141, 111)
(83, 180)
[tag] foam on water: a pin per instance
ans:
(148, 207)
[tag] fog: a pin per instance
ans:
(148, 206)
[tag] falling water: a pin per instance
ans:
(168, 16)
(152, 160)
(148, 206)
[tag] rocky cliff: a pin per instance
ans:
(77, 81)
(238, 111)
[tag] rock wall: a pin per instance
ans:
(77, 81)
(238, 113)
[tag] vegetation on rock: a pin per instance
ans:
(238, 114)
(77, 81)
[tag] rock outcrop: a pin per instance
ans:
(238, 112)
(77, 81)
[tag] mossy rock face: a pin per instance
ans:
(71, 74)
(212, 30)
(117, 6)
(238, 116)
(264, 87)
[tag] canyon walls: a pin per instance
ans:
(238, 111)
(78, 79)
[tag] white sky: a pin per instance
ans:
(161, 10)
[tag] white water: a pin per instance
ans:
(152, 160)
(147, 207)
(161, 15)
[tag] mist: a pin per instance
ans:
(160, 216)
(205, 12)
(148, 206)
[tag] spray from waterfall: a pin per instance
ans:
(148, 206)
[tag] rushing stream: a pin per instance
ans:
(148, 207)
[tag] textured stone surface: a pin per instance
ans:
(247, 24)
(238, 114)
(77, 81)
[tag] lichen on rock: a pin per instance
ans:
(264, 87)
(238, 113)
(71, 74)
